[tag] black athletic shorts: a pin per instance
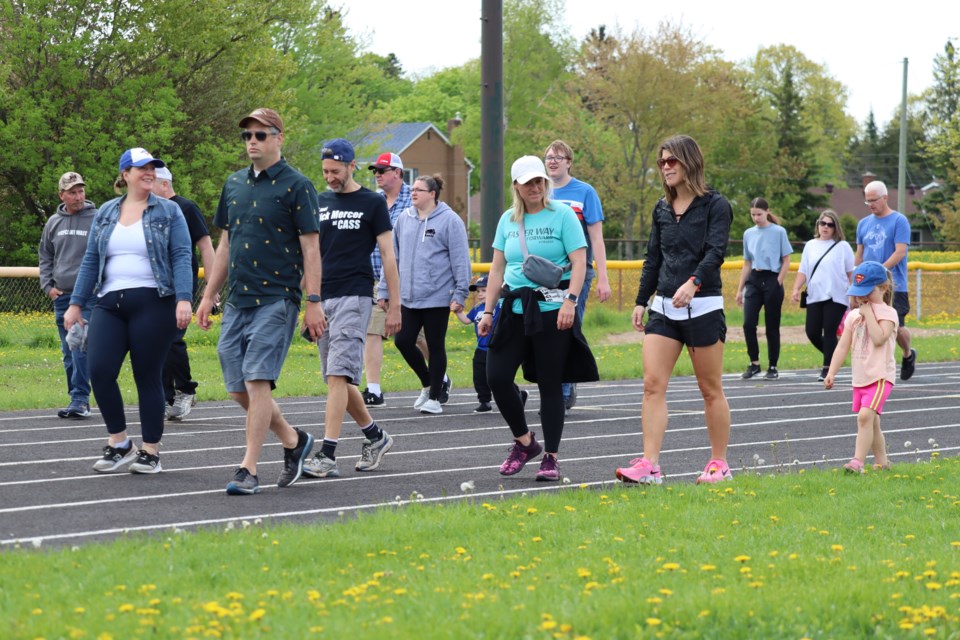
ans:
(901, 302)
(701, 331)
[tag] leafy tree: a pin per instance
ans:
(942, 150)
(82, 80)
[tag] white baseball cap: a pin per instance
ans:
(527, 168)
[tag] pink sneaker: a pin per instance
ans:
(716, 471)
(520, 455)
(854, 466)
(549, 469)
(640, 471)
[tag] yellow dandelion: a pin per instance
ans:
(654, 622)
(836, 547)
(256, 614)
(671, 566)
(708, 567)
(536, 539)
(548, 625)
(125, 608)
(654, 600)
(531, 511)
(460, 551)
(934, 586)
(742, 558)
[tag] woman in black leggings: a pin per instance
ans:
(825, 270)
(537, 325)
(138, 265)
(433, 257)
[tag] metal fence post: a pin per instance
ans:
(919, 293)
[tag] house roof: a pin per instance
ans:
(849, 201)
(395, 138)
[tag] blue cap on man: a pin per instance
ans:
(337, 149)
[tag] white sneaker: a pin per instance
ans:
(431, 406)
(424, 396)
(182, 404)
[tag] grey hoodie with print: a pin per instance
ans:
(62, 245)
(433, 258)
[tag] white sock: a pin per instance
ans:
(126, 444)
(374, 388)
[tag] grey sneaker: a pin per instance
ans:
(431, 406)
(424, 396)
(244, 483)
(294, 458)
(371, 453)
(182, 404)
(146, 462)
(771, 374)
(320, 466)
(114, 460)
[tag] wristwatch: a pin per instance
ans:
(572, 297)
(697, 282)
(313, 298)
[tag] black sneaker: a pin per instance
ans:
(75, 411)
(483, 407)
(571, 400)
(908, 365)
(445, 390)
(372, 399)
(293, 459)
(823, 374)
(752, 370)
(244, 483)
(114, 459)
(146, 462)
(772, 374)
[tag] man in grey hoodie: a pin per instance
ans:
(62, 245)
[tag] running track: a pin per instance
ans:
(50, 495)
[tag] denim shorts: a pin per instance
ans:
(701, 331)
(341, 345)
(254, 342)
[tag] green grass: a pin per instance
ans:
(815, 554)
(33, 373)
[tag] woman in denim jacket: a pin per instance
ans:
(138, 265)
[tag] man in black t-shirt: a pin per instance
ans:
(353, 220)
(178, 385)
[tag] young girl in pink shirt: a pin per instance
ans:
(870, 331)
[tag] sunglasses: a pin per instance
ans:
(378, 171)
(667, 163)
(259, 135)
(826, 223)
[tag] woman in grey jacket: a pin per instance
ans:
(433, 257)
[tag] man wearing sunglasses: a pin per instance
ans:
(269, 245)
(388, 172)
(884, 237)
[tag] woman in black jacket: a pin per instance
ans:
(688, 238)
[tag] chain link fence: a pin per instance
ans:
(26, 313)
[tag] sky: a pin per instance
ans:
(860, 45)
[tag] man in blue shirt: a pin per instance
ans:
(583, 199)
(884, 236)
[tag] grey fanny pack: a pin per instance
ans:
(537, 268)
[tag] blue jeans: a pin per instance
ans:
(74, 362)
(581, 309)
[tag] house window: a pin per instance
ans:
(915, 236)
(410, 175)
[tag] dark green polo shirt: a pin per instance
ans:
(265, 217)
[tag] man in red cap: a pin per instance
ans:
(388, 171)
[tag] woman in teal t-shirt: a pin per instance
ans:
(536, 327)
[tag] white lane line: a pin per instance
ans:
(342, 509)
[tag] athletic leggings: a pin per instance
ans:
(434, 322)
(823, 318)
(141, 323)
(549, 349)
(762, 290)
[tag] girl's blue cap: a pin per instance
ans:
(866, 277)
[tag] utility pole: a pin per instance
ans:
(902, 164)
(491, 125)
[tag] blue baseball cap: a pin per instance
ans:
(138, 157)
(337, 149)
(866, 277)
(481, 283)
